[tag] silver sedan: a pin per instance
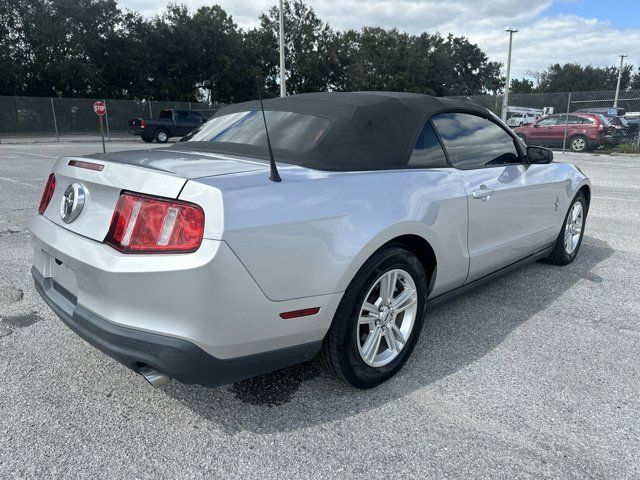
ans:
(313, 225)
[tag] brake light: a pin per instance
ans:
(146, 224)
(47, 193)
(142, 124)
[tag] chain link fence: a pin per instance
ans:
(527, 108)
(63, 118)
(60, 118)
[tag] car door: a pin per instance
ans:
(183, 123)
(510, 203)
(543, 132)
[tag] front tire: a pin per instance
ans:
(570, 238)
(378, 321)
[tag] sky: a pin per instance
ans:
(550, 31)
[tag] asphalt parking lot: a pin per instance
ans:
(536, 375)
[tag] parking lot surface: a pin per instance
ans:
(536, 375)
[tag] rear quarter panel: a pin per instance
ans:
(309, 234)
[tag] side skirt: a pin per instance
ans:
(464, 289)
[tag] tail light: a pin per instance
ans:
(142, 124)
(146, 224)
(47, 193)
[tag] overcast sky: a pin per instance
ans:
(551, 31)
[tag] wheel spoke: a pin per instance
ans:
(387, 286)
(567, 241)
(398, 334)
(404, 300)
(367, 320)
(370, 307)
(391, 340)
(372, 344)
(575, 212)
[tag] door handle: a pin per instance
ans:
(483, 193)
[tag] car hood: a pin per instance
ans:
(185, 164)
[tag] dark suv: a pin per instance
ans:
(584, 131)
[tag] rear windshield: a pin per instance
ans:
(604, 120)
(297, 132)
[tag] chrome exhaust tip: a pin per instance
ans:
(154, 377)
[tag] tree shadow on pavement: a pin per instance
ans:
(455, 335)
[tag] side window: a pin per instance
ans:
(475, 142)
(181, 115)
(546, 122)
(427, 153)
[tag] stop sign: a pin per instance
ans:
(99, 107)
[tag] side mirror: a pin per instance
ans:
(539, 155)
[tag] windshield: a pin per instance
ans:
(297, 132)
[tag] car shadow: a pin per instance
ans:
(455, 335)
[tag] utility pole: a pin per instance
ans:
(615, 101)
(505, 97)
(283, 86)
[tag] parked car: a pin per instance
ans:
(170, 123)
(616, 117)
(633, 119)
(210, 261)
(519, 119)
(584, 131)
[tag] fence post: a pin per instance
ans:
(55, 122)
(150, 111)
(566, 124)
(189, 104)
(106, 117)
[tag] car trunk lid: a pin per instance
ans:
(104, 176)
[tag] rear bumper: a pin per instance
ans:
(139, 131)
(174, 357)
(196, 311)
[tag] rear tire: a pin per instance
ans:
(570, 237)
(579, 143)
(365, 349)
(162, 136)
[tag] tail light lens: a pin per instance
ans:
(146, 224)
(142, 124)
(47, 193)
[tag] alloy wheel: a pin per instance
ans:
(578, 144)
(386, 318)
(573, 228)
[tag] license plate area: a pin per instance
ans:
(58, 271)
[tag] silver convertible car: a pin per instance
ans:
(317, 224)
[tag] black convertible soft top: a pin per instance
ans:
(369, 130)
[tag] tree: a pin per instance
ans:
(573, 77)
(521, 86)
(309, 57)
(90, 48)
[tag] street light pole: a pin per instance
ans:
(283, 86)
(505, 98)
(615, 101)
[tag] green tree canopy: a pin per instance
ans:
(91, 48)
